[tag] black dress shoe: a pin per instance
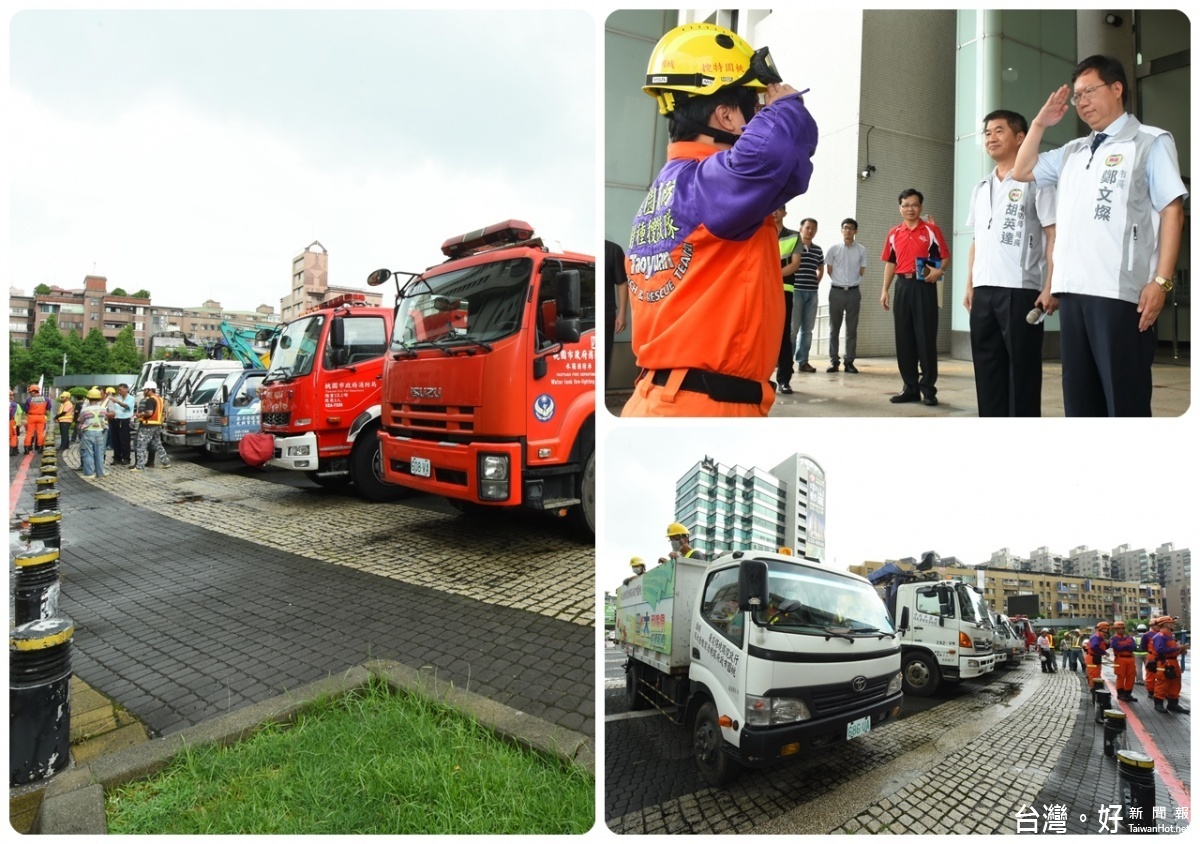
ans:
(786, 389)
(851, 368)
(905, 397)
(833, 367)
(930, 401)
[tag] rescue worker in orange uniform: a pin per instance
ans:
(703, 257)
(1151, 675)
(1096, 647)
(1168, 651)
(36, 408)
(1123, 664)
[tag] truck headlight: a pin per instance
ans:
(297, 451)
(493, 477)
(767, 711)
(896, 684)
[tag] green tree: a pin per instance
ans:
(124, 353)
(142, 294)
(118, 291)
(42, 290)
(20, 365)
(95, 353)
(73, 346)
(46, 351)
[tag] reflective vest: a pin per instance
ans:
(66, 411)
(156, 414)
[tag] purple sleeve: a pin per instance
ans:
(769, 165)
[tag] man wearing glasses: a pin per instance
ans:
(1120, 225)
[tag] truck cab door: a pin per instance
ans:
(718, 645)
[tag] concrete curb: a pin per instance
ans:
(73, 803)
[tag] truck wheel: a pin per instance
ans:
(921, 675)
(633, 682)
(716, 768)
(583, 515)
(366, 468)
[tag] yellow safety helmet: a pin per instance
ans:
(636, 561)
(95, 393)
(786, 551)
(701, 59)
(63, 395)
(110, 391)
(676, 529)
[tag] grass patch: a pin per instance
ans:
(372, 762)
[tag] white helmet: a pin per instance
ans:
(149, 385)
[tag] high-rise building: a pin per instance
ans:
(732, 508)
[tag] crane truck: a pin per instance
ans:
(761, 655)
(944, 625)
(489, 380)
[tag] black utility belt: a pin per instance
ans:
(718, 387)
(839, 287)
(908, 276)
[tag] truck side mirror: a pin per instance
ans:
(753, 592)
(337, 333)
(904, 619)
(566, 297)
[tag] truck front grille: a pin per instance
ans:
(829, 700)
(440, 419)
(276, 418)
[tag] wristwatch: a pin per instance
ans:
(1166, 284)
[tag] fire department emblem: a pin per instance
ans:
(543, 408)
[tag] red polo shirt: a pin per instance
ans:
(904, 246)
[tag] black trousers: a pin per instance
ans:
(783, 367)
(1106, 361)
(916, 314)
(1007, 352)
(119, 428)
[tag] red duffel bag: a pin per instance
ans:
(256, 448)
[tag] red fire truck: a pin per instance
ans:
(489, 382)
(320, 397)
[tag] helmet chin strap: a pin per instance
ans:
(692, 127)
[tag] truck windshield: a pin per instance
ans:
(812, 600)
(298, 348)
(974, 607)
(204, 391)
(474, 305)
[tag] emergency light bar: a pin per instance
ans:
(343, 301)
(510, 231)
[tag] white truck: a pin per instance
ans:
(187, 404)
(1008, 645)
(945, 625)
(762, 654)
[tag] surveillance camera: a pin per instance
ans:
(866, 173)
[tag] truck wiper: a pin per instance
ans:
(280, 374)
(838, 633)
(442, 342)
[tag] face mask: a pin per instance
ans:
(676, 544)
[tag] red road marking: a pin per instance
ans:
(1162, 766)
(18, 483)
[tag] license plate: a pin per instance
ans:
(858, 728)
(421, 468)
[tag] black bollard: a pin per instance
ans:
(1136, 776)
(1103, 702)
(1097, 686)
(45, 499)
(39, 699)
(46, 525)
(1114, 731)
(36, 586)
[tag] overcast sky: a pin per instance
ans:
(911, 486)
(194, 154)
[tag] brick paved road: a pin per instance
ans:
(206, 592)
(967, 765)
